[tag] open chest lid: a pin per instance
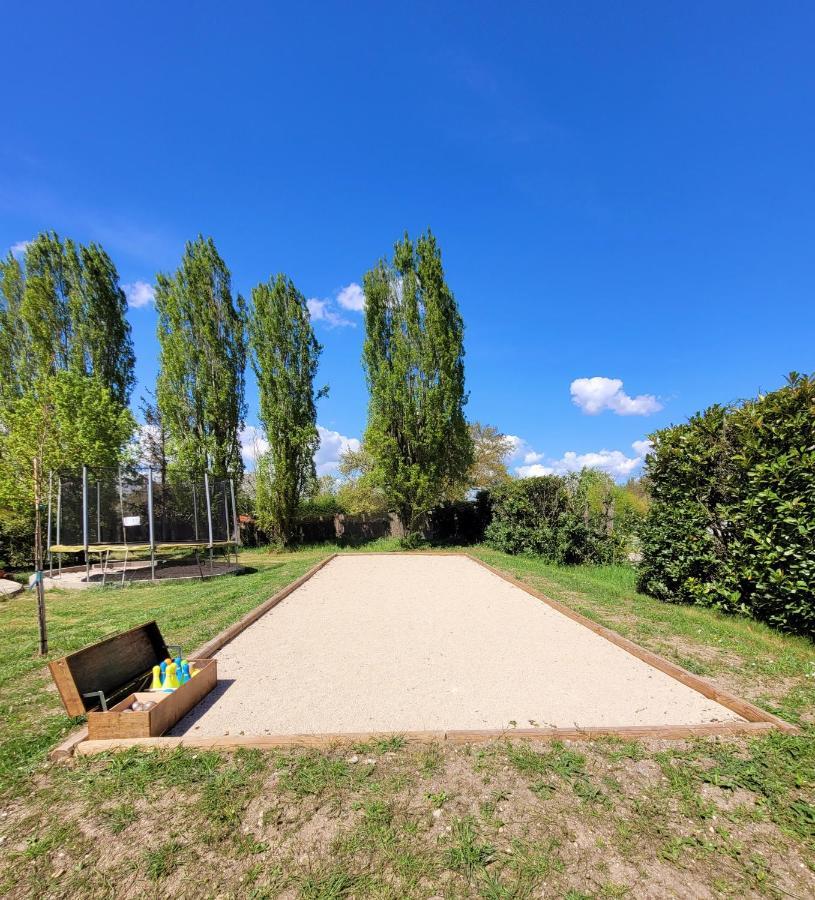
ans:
(115, 666)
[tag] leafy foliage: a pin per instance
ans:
(64, 309)
(66, 373)
(414, 362)
(490, 452)
(732, 522)
(565, 519)
(285, 354)
(200, 386)
(360, 493)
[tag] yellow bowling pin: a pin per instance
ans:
(170, 678)
(156, 683)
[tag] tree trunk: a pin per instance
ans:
(43, 633)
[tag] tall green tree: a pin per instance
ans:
(66, 310)
(62, 312)
(285, 355)
(414, 362)
(202, 338)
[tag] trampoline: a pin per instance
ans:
(130, 514)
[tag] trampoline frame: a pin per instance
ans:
(155, 548)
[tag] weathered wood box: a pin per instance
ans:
(120, 669)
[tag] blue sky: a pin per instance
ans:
(621, 191)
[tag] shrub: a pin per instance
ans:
(732, 518)
(563, 519)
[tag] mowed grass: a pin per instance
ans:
(388, 818)
(32, 718)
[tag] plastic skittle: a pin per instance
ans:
(185, 672)
(170, 679)
(156, 683)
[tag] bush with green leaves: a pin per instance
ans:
(564, 519)
(732, 518)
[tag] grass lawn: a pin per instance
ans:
(731, 817)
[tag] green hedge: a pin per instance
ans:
(732, 518)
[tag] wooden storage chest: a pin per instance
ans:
(119, 669)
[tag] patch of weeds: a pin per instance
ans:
(376, 829)
(166, 858)
(431, 760)
(610, 889)
(310, 774)
(778, 768)
(56, 835)
(330, 885)
(566, 764)
(467, 854)
(117, 818)
(617, 749)
(249, 845)
(489, 808)
(389, 744)
(534, 861)
(437, 800)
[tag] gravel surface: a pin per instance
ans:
(409, 643)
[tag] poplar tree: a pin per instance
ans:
(285, 355)
(200, 386)
(70, 314)
(414, 363)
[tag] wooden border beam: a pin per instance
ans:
(757, 721)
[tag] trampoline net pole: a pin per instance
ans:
(209, 518)
(48, 533)
(235, 527)
(150, 524)
(59, 521)
(85, 522)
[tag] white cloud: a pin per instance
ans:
(19, 248)
(613, 462)
(593, 395)
(321, 311)
(253, 445)
(139, 294)
(332, 446)
(351, 297)
(326, 459)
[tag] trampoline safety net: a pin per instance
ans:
(104, 507)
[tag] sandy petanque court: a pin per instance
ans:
(390, 643)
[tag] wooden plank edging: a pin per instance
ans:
(342, 739)
(743, 708)
(68, 746)
(757, 720)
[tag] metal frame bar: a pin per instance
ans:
(85, 522)
(209, 518)
(59, 521)
(150, 524)
(48, 538)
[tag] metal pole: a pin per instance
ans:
(43, 633)
(50, 554)
(59, 521)
(150, 524)
(236, 533)
(124, 530)
(209, 519)
(226, 517)
(85, 522)
(98, 512)
(195, 511)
